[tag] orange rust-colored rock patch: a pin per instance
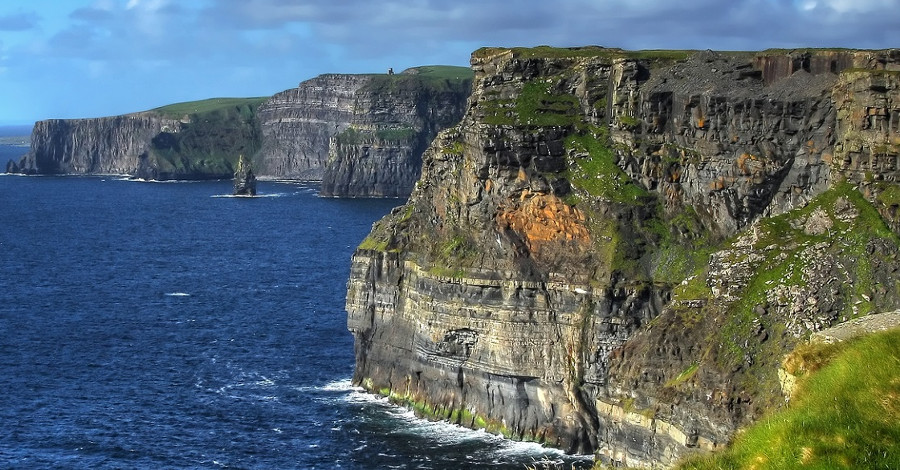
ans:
(544, 219)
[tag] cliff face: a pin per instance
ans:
(613, 250)
(362, 135)
(197, 140)
(91, 146)
(298, 124)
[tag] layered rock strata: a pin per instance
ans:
(91, 146)
(613, 250)
(361, 135)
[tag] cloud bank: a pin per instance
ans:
(99, 57)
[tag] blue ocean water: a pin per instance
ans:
(14, 142)
(167, 325)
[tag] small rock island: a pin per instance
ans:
(244, 179)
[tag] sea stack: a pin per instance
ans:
(244, 179)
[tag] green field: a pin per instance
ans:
(178, 110)
(845, 415)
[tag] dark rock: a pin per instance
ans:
(244, 179)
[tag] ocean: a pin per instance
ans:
(169, 325)
(14, 141)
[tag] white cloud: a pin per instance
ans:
(862, 6)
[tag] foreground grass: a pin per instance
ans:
(845, 415)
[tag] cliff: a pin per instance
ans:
(193, 140)
(361, 135)
(614, 250)
(90, 146)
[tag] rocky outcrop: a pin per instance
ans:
(613, 251)
(362, 135)
(244, 179)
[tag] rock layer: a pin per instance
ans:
(613, 250)
(362, 135)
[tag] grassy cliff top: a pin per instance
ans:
(431, 77)
(582, 52)
(441, 72)
(844, 416)
(178, 110)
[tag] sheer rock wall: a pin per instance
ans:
(613, 250)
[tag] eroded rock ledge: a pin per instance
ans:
(613, 250)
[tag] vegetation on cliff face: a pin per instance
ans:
(765, 281)
(212, 135)
(844, 415)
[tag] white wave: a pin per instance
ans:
(258, 196)
(177, 294)
(336, 386)
(343, 385)
(264, 382)
(143, 180)
(445, 433)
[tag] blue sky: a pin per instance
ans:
(88, 58)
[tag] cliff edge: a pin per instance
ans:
(614, 250)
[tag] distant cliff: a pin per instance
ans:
(194, 140)
(613, 251)
(362, 135)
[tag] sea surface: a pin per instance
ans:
(14, 141)
(168, 325)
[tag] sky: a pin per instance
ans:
(91, 58)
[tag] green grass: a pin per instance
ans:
(444, 72)
(436, 78)
(684, 376)
(178, 110)
(210, 141)
(537, 105)
(844, 416)
(354, 136)
(452, 257)
(888, 194)
(785, 266)
(395, 135)
(595, 172)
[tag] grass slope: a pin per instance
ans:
(213, 134)
(844, 416)
(178, 110)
